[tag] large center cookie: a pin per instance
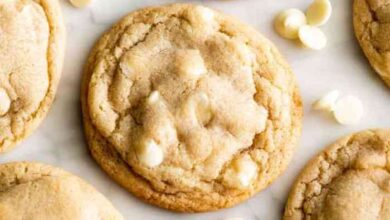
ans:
(188, 108)
(372, 27)
(32, 40)
(349, 180)
(40, 192)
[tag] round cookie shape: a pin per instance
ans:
(189, 109)
(371, 20)
(39, 191)
(32, 40)
(348, 180)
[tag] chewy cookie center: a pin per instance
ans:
(181, 101)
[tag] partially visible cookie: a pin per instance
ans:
(371, 20)
(32, 40)
(189, 109)
(38, 191)
(348, 180)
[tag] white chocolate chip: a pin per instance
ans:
(197, 110)
(167, 134)
(206, 14)
(5, 102)
(348, 110)
(319, 12)
(80, 3)
(246, 170)
(151, 154)
(203, 109)
(189, 63)
(153, 97)
(287, 23)
(327, 102)
(196, 69)
(312, 37)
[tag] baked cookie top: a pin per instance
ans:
(31, 56)
(38, 191)
(196, 105)
(349, 180)
(372, 28)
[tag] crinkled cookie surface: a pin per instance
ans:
(37, 191)
(188, 108)
(372, 28)
(349, 180)
(31, 56)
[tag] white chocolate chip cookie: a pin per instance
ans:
(189, 109)
(38, 191)
(348, 180)
(32, 40)
(371, 19)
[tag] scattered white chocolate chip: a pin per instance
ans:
(80, 3)
(312, 37)
(348, 110)
(5, 102)
(151, 154)
(287, 23)
(327, 102)
(206, 14)
(153, 97)
(246, 170)
(319, 12)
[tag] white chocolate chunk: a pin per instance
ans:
(287, 23)
(203, 109)
(348, 110)
(151, 154)
(196, 111)
(327, 102)
(312, 37)
(5, 102)
(189, 63)
(319, 12)
(80, 3)
(246, 170)
(205, 14)
(153, 97)
(167, 134)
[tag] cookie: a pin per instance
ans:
(371, 19)
(38, 191)
(32, 40)
(189, 109)
(348, 180)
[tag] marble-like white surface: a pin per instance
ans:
(59, 141)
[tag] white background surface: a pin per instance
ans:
(341, 65)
